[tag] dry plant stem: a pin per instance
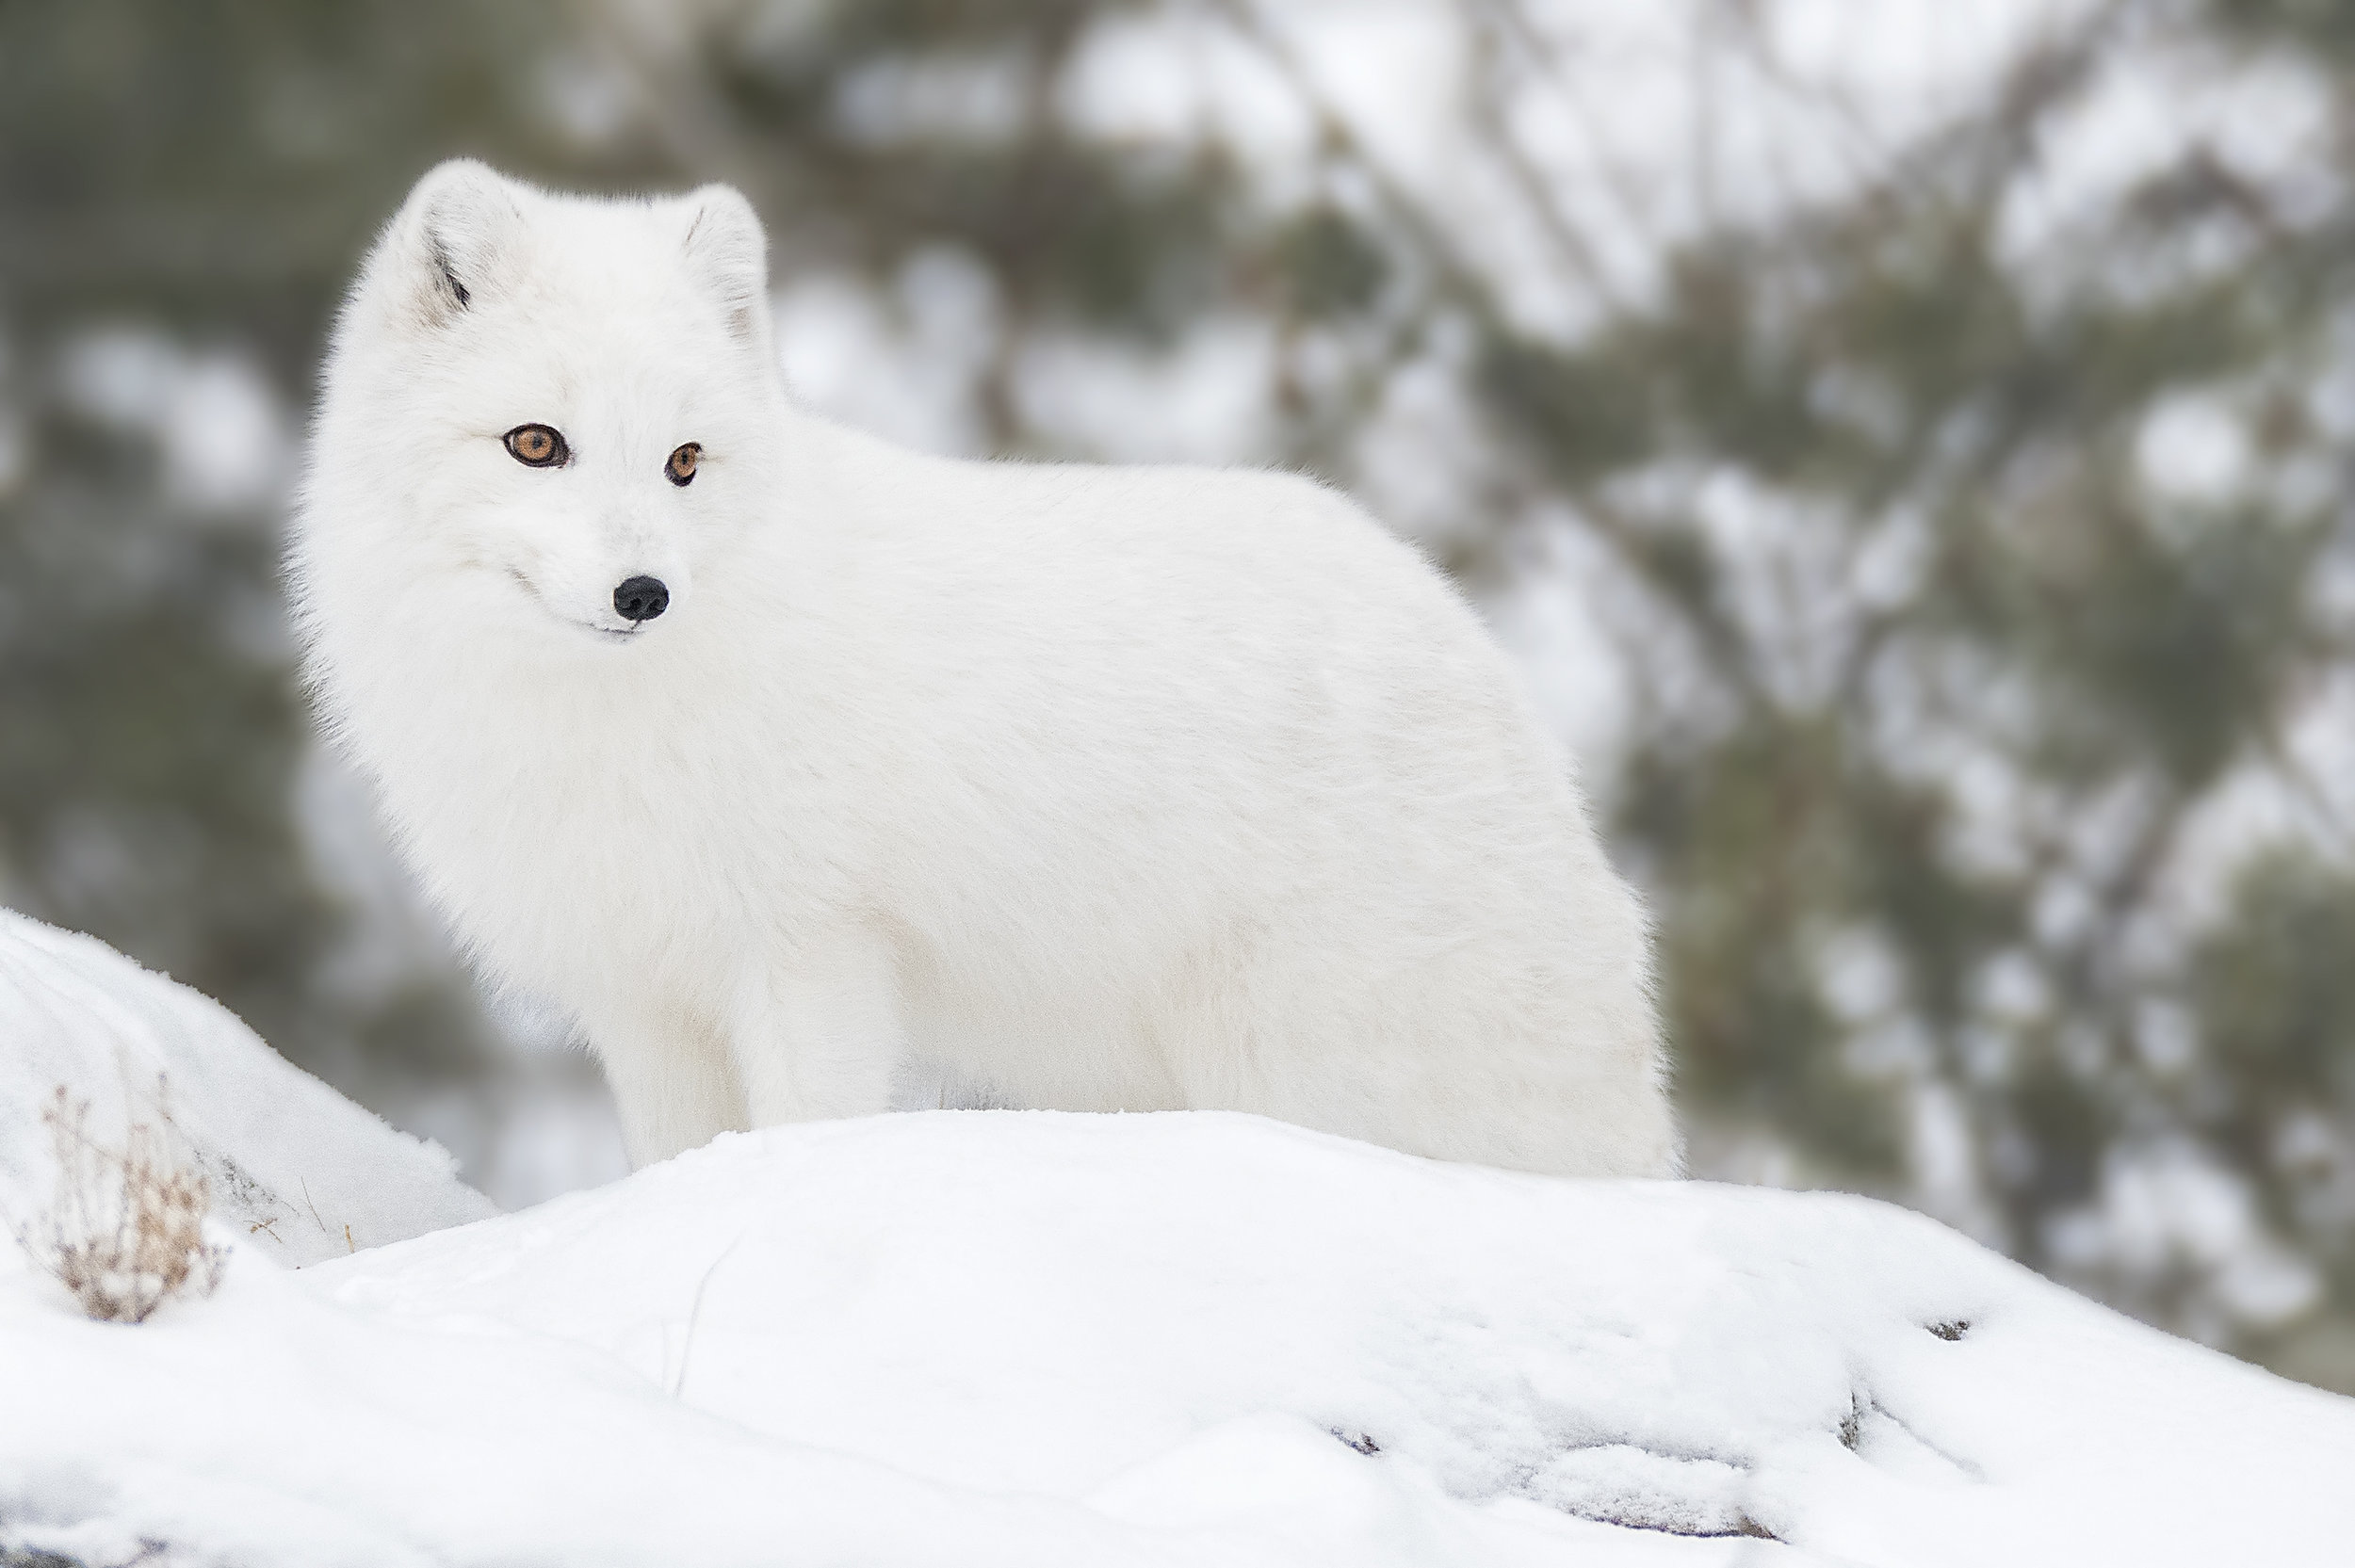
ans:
(125, 1232)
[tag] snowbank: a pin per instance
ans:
(1019, 1337)
(292, 1165)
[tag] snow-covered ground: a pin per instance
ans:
(297, 1170)
(1021, 1337)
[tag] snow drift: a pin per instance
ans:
(1021, 1337)
(293, 1166)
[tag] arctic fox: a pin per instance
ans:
(803, 769)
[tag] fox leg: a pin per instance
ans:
(819, 1035)
(673, 1083)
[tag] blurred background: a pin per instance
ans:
(1910, 445)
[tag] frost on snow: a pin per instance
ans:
(1019, 1337)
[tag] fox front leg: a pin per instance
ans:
(819, 1035)
(673, 1083)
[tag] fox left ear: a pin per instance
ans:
(727, 250)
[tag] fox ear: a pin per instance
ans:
(727, 253)
(458, 237)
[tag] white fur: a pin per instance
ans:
(1093, 788)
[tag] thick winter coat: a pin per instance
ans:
(815, 776)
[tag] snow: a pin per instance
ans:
(292, 1165)
(1025, 1337)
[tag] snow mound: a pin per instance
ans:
(291, 1164)
(1019, 1337)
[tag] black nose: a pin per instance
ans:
(641, 598)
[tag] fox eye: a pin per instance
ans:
(681, 468)
(538, 446)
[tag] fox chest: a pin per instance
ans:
(553, 862)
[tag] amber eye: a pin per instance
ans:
(537, 446)
(681, 468)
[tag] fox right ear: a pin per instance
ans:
(727, 251)
(458, 236)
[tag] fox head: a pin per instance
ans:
(544, 417)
